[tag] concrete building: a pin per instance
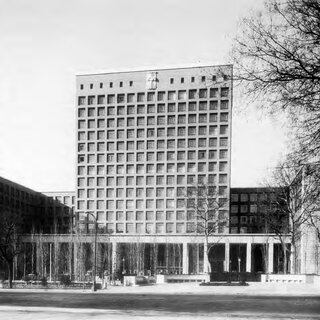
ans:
(144, 138)
(36, 214)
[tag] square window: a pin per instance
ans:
(139, 228)
(181, 107)
(181, 155)
(111, 99)
(224, 117)
(151, 108)
(149, 228)
(192, 131)
(140, 97)
(181, 143)
(151, 96)
(192, 94)
(159, 228)
(161, 108)
(213, 105)
(130, 110)
(101, 99)
(214, 92)
(161, 95)
(182, 94)
(130, 97)
(181, 131)
(159, 215)
(171, 95)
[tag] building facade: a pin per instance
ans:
(143, 138)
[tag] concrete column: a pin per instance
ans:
(38, 259)
(114, 257)
(75, 261)
(248, 258)
(227, 257)
(185, 258)
(270, 258)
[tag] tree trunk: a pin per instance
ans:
(284, 249)
(10, 274)
(206, 256)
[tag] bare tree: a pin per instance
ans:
(295, 205)
(10, 240)
(209, 214)
(277, 57)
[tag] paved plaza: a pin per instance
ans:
(167, 301)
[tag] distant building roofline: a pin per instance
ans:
(152, 69)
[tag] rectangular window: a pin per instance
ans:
(111, 99)
(214, 92)
(130, 97)
(213, 105)
(224, 105)
(120, 98)
(181, 131)
(101, 99)
(224, 117)
(171, 95)
(151, 96)
(140, 97)
(182, 95)
(192, 106)
(81, 101)
(181, 107)
(82, 113)
(161, 95)
(203, 93)
(161, 108)
(224, 92)
(192, 94)
(91, 100)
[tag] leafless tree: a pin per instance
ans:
(277, 57)
(294, 206)
(209, 214)
(10, 240)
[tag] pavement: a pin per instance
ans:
(253, 289)
(263, 301)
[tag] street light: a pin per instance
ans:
(123, 260)
(94, 287)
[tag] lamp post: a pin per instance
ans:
(94, 287)
(123, 260)
(239, 268)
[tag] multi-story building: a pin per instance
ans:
(258, 210)
(143, 138)
(34, 213)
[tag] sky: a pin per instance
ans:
(45, 43)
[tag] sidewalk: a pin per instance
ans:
(254, 289)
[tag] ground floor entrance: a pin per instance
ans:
(54, 255)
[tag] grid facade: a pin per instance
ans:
(249, 208)
(143, 138)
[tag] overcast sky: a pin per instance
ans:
(45, 43)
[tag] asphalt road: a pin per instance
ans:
(151, 305)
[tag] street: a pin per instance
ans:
(84, 305)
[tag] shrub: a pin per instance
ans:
(44, 281)
(65, 280)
